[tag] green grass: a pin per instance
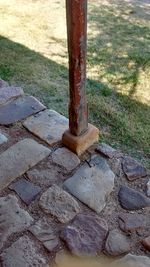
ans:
(33, 54)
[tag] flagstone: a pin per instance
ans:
(59, 203)
(65, 158)
(92, 185)
(19, 158)
(47, 125)
(19, 109)
(3, 83)
(13, 219)
(8, 93)
(44, 232)
(26, 190)
(23, 253)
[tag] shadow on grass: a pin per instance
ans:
(118, 44)
(48, 81)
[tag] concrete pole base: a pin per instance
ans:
(79, 144)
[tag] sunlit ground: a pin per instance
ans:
(33, 53)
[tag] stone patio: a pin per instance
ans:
(53, 202)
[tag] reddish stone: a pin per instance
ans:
(146, 243)
(132, 199)
(133, 169)
(85, 235)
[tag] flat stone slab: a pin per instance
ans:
(65, 158)
(45, 233)
(47, 125)
(9, 93)
(3, 83)
(59, 203)
(133, 169)
(85, 235)
(45, 177)
(25, 190)
(13, 219)
(108, 151)
(23, 253)
(132, 222)
(132, 261)
(131, 199)
(117, 243)
(19, 109)
(3, 139)
(92, 186)
(19, 158)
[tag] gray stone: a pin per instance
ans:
(9, 93)
(92, 186)
(107, 150)
(48, 125)
(13, 219)
(19, 109)
(59, 203)
(132, 199)
(132, 261)
(19, 158)
(133, 169)
(148, 188)
(23, 253)
(45, 177)
(85, 235)
(3, 83)
(64, 157)
(44, 232)
(26, 190)
(132, 222)
(117, 243)
(3, 139)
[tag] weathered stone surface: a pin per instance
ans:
(132, 261)
(131, 222)
(131, 199)
(45, 177)
(65, 158)
(48, 125)
(117, 243)
(148, 188)
(26, 190)
(107, 150)
(133, 169)
(19, 158)
(59, 203)
(8, 93)
(3, 139)
(23, 253)
(85, 235)
(13, 219)
(19, 109)
(44, 232)
(92, 185)
(3, 83)
(146, 243)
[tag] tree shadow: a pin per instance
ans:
(118, 44)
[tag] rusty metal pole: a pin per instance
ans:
(80, 135)
(76, 11)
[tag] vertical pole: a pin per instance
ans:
(76, 11)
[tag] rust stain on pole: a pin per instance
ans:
(76, 11)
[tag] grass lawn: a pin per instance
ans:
(33, 54)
